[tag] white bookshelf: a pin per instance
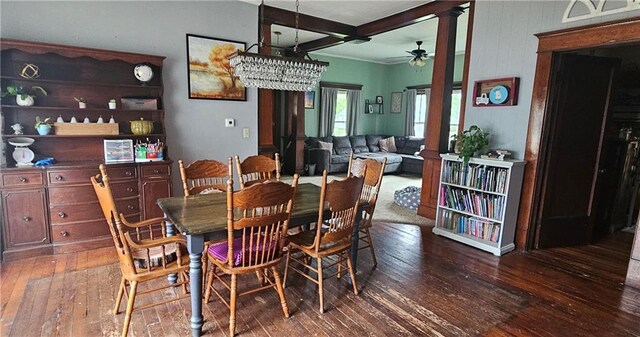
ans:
(478, 202)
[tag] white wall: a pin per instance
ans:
(503, 45)
(195, 128)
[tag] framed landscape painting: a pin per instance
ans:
(309, 99)
(210, 74)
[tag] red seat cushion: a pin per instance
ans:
(219, 250)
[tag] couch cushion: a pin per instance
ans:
(325, 146)
(388, 145)
(342, 145)
(340, 159)
(392, 158)
(373, 143)
(411, 145)
(358, 144)
(312, 142)
(400, 141)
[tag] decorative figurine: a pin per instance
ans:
(112, 120)
(74, 120)
(86, 120)
(60, 120)
(17, 129)
(100, 120)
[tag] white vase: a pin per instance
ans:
(29, 101)
(112, 105)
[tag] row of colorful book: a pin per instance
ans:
(484, 205)
(462, 224)
(491, 179)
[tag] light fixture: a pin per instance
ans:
(417, 61)
(277, 72)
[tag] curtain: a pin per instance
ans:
(329, 97)
(411, 112)
(353, 109)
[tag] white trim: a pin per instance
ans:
(596, 11)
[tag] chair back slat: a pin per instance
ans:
(342, 198)
(205, 176)
(257, 169)
(372, 170)
(261, 214)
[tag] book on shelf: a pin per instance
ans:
(464, 224)
(482, 177)
(477, 203)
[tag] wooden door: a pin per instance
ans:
(152, 190)
(25, 218)
(578, 111)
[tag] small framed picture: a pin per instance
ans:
(396, 102)
(118, 150)
(309, 99)
(370, 109)
(379, 99)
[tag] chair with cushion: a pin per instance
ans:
(144, 250)
(257, 169)
(332, 239)
(372, 170)
(257, 222)
(205, 176)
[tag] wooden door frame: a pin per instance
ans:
(591, 36)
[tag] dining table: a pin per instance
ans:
(203, 217)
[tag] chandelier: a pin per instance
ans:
(277, 72)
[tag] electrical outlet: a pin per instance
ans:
(229, 122)
(245, 132)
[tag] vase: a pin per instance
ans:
(44, 129)
(112, 105)
(82, 105)
(28, 101)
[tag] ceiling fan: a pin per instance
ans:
(419, 56)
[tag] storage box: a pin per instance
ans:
(78, 129)
(139, 103)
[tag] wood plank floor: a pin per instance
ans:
(424, 285)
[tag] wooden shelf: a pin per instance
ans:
(155, 135)
(472, 189)
(486, 245)
(470, 214)
(56, 108)
(40, 80)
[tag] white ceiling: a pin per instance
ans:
(387, 48)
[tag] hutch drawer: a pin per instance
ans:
(79, 176)
(155, 170)
(64, 195)
(79, 231)
(72, 213)
(119, 173)
(22, 179)
(25, 220)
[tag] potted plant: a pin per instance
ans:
(43, 126)
(24, 97)
(471, 141)
(82, 102)
(112, 103)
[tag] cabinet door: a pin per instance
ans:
(152, 189)
(24, 218)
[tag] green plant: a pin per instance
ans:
(80, 99)
(471, 141)
(24, 93)
(46, 121)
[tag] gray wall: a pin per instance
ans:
(503, 45)
(195, 128)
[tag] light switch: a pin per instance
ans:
(229, 122)
(245, 132)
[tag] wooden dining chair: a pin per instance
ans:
(205, 176)
(256, 169)
(372, 170)
(145, 252)
(257, 222)
(332, 239)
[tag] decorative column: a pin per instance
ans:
(437, 130)
(294, 155)
(266, 106)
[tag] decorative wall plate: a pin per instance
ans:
(499, 94)
(143, 72)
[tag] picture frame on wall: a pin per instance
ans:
(379, 99)
(309, 99)
(210, 76)
(369, 108)
(396, 102)
(118, 151)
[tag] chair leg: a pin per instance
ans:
(261, 279)
(373, 251)
(280, 290)
(353, 275)
(130, 302)
(210, 277)
(183, 280)
(339, 266)
(286, 268)
(320, 288)
(205, 265)
(116, 310)
(232, 304)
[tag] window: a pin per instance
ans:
(421, 113)
(340, 124)
(456, 97)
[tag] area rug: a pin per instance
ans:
(386, 209)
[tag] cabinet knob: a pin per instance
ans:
(26, 218)
(128, 173)
(130, 207)
(156, 171)
(129, 189)
(23, 180)
(62, 214)
(64, 233)
(59, 178)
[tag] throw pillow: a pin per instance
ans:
(388, 145)
(325, 146)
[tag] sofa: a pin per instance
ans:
(336, 159)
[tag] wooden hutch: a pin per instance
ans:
(52, 209)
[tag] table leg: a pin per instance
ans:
(172, 278)
(195, 245)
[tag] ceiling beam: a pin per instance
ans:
(324, 42)
(287, 18)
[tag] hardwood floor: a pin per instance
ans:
(424, 285)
